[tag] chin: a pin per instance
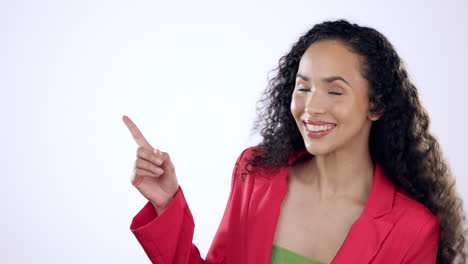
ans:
(318, 151)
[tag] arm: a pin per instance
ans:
(425, 246)
(167, 238)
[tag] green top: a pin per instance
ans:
(280, 255)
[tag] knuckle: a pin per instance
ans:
(155, 170)
(157, 152)
(166, 156)
(140, 151)
(157, 161)
(150, 167)
(137, 173)
(140, 173)
(138, 163)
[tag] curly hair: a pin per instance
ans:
(400, 140)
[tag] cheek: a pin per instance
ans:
(350, 114)
(342, 112)
(296, 106)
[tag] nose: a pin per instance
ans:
(315, 103)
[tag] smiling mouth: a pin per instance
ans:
(314, 128)
(313, 131)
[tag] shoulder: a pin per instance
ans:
(410, 209)
(414, 231)
(414, 222)
(243, 159)
(247, 153)
(244, 163)
(241, 179)
(251, 164)
(245, 156)
(248, 170)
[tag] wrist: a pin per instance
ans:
(159, 209)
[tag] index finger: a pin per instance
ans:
(136, 133)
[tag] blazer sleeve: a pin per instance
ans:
(167, 238)
(424, 248)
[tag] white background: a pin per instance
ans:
(189, 74)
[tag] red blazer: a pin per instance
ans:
(393, 227)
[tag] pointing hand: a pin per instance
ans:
(154, 174)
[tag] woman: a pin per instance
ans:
(347, 171)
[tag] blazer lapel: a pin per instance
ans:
(263, 212)
(363, 240)
(266, 194)
(368, 233)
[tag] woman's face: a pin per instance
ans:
(330, 88)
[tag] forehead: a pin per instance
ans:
(330, 57)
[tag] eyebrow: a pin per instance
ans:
(327, 79)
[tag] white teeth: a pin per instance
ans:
(318, 128)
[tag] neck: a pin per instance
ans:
(340, 174)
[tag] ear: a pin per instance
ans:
(375, 116)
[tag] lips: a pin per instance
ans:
(321, 133)
(317, 123)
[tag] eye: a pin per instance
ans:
(335, 93)
(302, 89)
